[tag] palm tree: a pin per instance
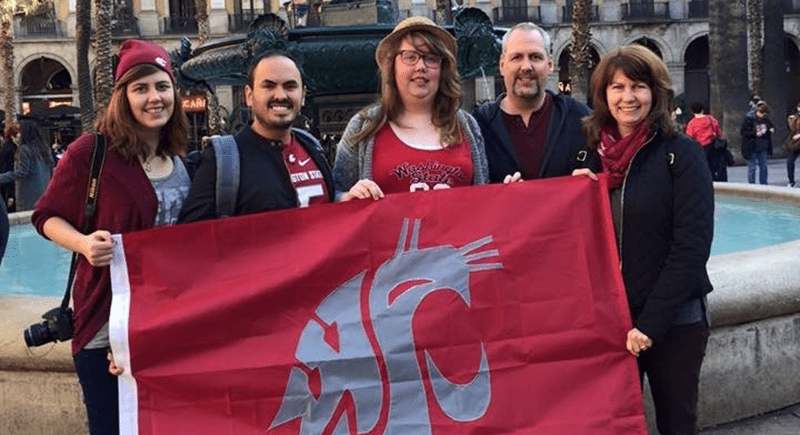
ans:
(203, 31)
(83, 23)
(104, 75)
(7, 51)
(727, 43)
(755, 20)
(203, 28)
(579, 49)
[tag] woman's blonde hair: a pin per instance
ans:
(639, 64)
(445, 104)
(120, 127)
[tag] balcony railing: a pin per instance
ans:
(645, 11)
(698, 9)
(566, 16)
(124, 23)
(180, 25)
(38, 26)
(510, 15)
(240, 23)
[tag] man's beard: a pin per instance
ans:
(283, 123)
(528, 93)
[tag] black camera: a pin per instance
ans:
(57, 326)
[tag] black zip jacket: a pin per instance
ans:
(565, 147)
(667, 228)
(264, 182)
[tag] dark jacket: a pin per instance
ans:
(667, 228)
(750, 140)
(4, 229)
(31, 174)
(264, 182)
(565, 147)
(126, 202)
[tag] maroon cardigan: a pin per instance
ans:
(126, 202)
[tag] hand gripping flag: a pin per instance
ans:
(482, 310)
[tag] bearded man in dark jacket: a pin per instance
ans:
(530, 132)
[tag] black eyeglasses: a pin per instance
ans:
(411, 57)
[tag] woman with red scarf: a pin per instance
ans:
(662, 202)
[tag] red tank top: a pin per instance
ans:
(397, 167)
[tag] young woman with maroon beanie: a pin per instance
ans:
(142, 184)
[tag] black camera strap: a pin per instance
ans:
(90, 205)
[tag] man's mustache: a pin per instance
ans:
(286, 102)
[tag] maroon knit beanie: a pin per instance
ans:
(136, 52)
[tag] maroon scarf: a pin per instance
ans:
(616, 152)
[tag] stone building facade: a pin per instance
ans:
(45, 55)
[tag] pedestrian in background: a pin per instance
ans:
(757, 142)
(4, 230)
(705, 130)
(33, 165)
(792, 144)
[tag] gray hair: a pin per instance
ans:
(530, 26)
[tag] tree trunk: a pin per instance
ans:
(7, 51)
(203, 31)
(579, 54)
(83, 22)
(773, 85)
(727, 44)
(104, 74)
(441, 13)
(201, 14)
(755, 48)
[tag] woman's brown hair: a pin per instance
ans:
(445, 104)
(639, 64)
(120, 127)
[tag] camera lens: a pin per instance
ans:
(38, 334)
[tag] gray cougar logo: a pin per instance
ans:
(380, 381)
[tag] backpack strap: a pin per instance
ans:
(227, 158)
(308, 136)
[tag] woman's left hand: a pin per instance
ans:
(638, 341)
(113, 368)
(512, 178)
(363, 189)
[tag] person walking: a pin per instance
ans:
(7, 151)
(756, 134)
(33, 165)
(792, 144)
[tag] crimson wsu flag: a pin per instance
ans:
(480, 310)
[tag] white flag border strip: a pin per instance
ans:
(118, 331)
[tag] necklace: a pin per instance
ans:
(147, 164)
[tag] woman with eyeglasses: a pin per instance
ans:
(415, 137)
